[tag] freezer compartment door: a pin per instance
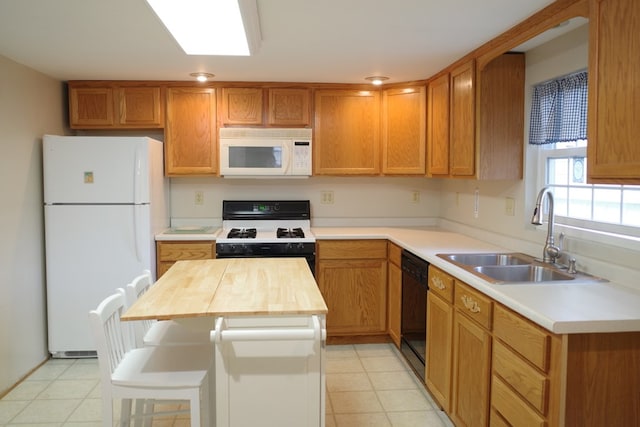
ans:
(90, 252)
(96, 169)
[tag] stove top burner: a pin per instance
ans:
(242, 233)
(295, 233)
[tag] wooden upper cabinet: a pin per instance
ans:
(242, 106)
(462, 126)
(90, 107)
(140, 107)
(190, 135)
(110, 105)
(289, 107)
(347, 132)
(500, 112)
(403, 131)
(438, 96)
(613, 150)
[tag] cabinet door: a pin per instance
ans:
(439, 343)
(438, 97)
(394, 284)
(394, 306)
(613, 151)
(356, 294)
(347, 132)
(167, 253)
(242, 106)
(463, 121)
(403, 131)
(190, 134)
(140, 107)
(91, 107)
(471, 370)
(501, 118)
(289, 107)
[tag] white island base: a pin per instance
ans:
(269, 370)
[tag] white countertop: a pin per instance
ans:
(167, 235)
(560, 308)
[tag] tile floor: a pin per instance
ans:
(367, 385)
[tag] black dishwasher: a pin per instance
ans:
(414, 311)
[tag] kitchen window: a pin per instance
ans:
(559, 128)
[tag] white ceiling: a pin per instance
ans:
(302, 40)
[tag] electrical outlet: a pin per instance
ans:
(199, 198)
(415, 196)
(509, 206)
(326, 197)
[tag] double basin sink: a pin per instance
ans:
(514, 268)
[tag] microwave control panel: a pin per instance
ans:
(302, 157)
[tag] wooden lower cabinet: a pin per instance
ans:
(471, 372)
(599, 373)
(439, 346)
(167, 253)
(394, 294)
(352, 277)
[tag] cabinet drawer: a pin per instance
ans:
(523, 378)
(474, 304)
(531, 341)
(441, 283)
(185, 250)
(394, 253)
(352, 249)
(514, 411)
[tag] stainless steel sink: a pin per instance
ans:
(478, 259)
(523, 273)
(515, 268)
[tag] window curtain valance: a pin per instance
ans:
(559, 110)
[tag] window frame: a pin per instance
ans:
(586, 224)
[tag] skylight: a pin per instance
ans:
(211, 27)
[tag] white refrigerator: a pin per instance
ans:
(105, 198)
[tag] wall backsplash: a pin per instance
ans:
(388, 200)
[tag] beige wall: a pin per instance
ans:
(31, 104)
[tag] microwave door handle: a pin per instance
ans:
(286, 158)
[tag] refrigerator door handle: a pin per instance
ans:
(137, 176)
(137, 231)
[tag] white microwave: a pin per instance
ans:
(265, 152)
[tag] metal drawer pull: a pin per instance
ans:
(470, 304)
(437, 283)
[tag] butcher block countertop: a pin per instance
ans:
(230, 287)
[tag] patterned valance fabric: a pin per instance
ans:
(559, 110)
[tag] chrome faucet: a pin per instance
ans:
(551, 252)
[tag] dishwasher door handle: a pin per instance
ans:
(265, 334)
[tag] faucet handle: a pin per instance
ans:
(561, 241)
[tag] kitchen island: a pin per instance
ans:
(267, 318)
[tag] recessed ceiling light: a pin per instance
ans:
(376, 80)
(206, 27)
(202, 77)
